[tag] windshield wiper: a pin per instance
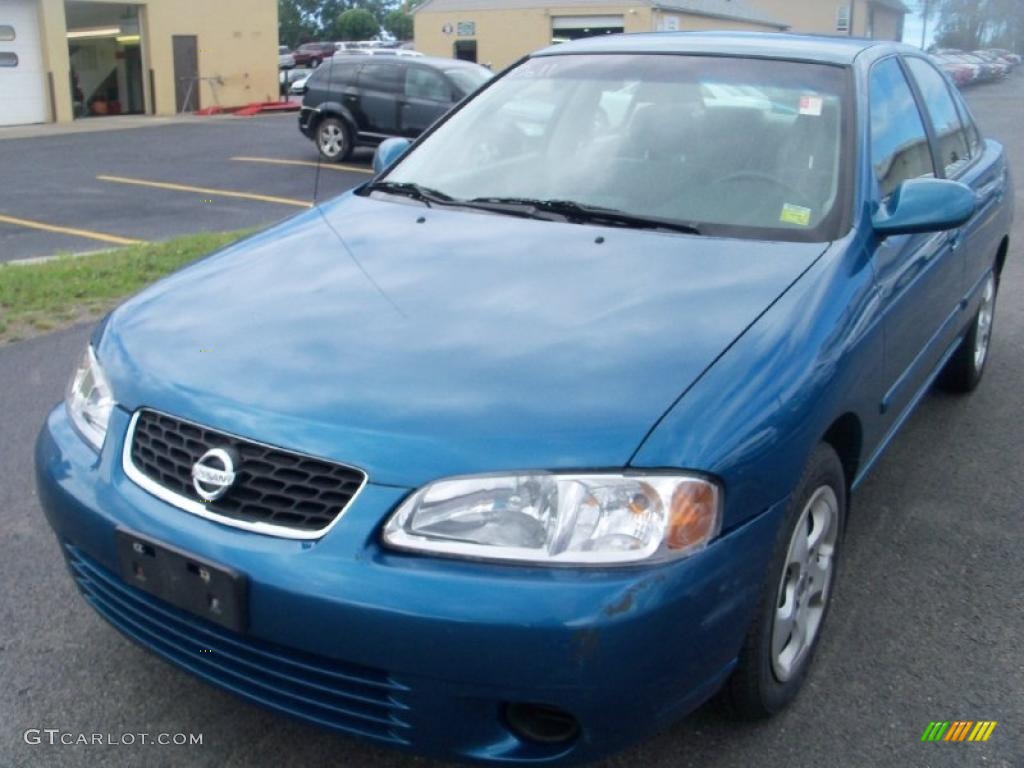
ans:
(409, 189)
(577, 212)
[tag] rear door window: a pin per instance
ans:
(423, 83)
(974, 140)
(342, 75)
(384, 76)
(949, 131)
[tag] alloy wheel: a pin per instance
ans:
(986, 314)
(804, 587)
(332, 140)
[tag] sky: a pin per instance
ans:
(912, 30)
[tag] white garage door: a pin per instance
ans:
(22, 85)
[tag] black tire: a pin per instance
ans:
(314, 63)
(334, 140)
(965, 368)
(755, 689)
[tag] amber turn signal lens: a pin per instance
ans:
(693, 516)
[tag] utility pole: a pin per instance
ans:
(926, 6)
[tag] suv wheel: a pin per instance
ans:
(781, 642)
(333, 140)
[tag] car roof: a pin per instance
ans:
(772, 45)
(430, 61)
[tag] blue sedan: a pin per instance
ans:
(547, 434)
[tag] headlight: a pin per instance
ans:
(560, 519)
(89, 400)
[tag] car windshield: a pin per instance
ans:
(468, 79)
(728, 146)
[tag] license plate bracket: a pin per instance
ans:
(191, 583)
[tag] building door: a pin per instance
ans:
(23, 95)
(186, 72)
(465, 50)
(133, 100)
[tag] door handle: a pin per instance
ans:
(954, 240)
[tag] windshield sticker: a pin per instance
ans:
(811, 105)
(796, 214)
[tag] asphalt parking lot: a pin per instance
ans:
(928, 614)
(194, 175)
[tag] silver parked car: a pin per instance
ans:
(285, 60)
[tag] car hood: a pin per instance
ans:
(417, 343)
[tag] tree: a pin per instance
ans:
(398, 23)
(356, 24)
(297, 22)
(973, 24)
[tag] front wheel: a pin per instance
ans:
(333, 140)
(964, 370)
(781, 642)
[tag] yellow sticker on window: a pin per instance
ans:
(796, 214)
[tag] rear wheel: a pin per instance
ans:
(333, 139)
(964, 370)
(781, 642)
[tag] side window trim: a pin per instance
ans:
(926, 119)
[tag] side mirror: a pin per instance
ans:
(925, 205)
(387, 152)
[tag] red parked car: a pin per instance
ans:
(311, 54)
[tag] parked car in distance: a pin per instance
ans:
(359, 100)
(293, 80)
(378, 52)
(544, 435)
(959, 71)
(1013, 58)
(312, 54)
(1000, 65)
(285, 60)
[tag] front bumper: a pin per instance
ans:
(418, 652)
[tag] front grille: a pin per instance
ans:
(273, 487)
(340, 696)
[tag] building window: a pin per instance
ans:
(843, 19)
(566, 28)
(8, 59)
(6, 33)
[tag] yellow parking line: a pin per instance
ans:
(208, 191)
(87, 233)
(307, 163)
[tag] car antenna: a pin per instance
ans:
(319, 153)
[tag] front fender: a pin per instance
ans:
(755, 416)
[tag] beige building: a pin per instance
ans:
(498, 32)
(880, 19)
(67, 59)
